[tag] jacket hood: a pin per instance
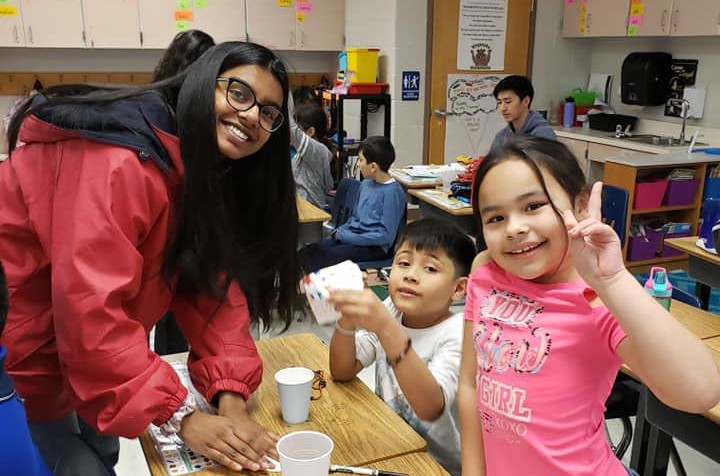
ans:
(533, 121)
(125, 122)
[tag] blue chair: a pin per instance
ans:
(686, 297)
(615, 208)
(346, 195)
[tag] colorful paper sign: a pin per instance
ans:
(306, 7)
(201, 3)
(300, 17)
(632, 30)
(186, 15)
(285, 3)
(183, 5)
(636, 20)
(182, 25)
(8, 11)
(637, 9)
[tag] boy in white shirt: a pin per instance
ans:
(412, 337)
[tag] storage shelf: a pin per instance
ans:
(658, 260)
(671, 208)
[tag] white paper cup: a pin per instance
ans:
(294, 386)
(305, 453)
(447, 176)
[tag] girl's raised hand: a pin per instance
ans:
(594, 246)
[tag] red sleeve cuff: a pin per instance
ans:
(172, 406)
(228, 385)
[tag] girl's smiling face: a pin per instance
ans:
(524, 234)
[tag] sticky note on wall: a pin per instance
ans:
(182, 25)
(8, 11)
(305, 7)
(201, 3)
(183, 15)
(285, 3)
(183, 5)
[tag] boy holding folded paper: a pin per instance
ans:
(412, 337)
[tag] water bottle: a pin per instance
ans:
(658, 286)
(569, 112)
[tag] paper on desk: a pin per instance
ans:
(179, 459)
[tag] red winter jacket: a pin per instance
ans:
(83, 225)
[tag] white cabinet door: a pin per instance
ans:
(272, 25)
(53, 23)
(11, 25)
(321, 28)
(157, 22)
(606, 17)
(650, 18)
(573, 20)
(695, 18)
(112, 23)
(224, 20)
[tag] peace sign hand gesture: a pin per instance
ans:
(594, 246)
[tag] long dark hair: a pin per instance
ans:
(539, 154)
(185, 48)
(236, 219)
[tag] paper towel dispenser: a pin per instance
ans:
(645, 78)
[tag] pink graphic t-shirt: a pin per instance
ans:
(546, 364)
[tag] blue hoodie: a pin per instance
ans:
(18, 454)
(534, 125)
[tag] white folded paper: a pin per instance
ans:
(345, 275)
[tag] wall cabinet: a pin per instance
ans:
(320, 28)
(11, 25)
(695, 18)
(111, 23)
(593, 18)
(53, 23)
(602, 18)
(159, 20)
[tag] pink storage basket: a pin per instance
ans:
(649, 194)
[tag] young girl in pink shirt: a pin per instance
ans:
(551, 313)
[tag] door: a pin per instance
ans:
(11, 25)
(695, 18)
(272, 23)
(323, 27)
(224, 20)
(53, 23)
(444, 50)
(606, 17)
(158, 24)
(112, 23)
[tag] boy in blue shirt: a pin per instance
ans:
(18, 454)
(371, 231)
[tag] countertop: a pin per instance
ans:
(607, 138)
(672, 157)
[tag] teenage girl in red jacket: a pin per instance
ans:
(123, 203)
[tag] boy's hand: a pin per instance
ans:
(363, 308)
(594, 246)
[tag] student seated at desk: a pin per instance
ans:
(514, 94)
(311, 157)
(412, 337)
(370, 232)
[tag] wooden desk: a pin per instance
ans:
(363, 427)
(409, 182)
(413, 464)
(702, 266)
(435, 203)
(311, 220)
(656, 423)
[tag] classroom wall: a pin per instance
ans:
(561, 64)
(399, 29)
(118, 60)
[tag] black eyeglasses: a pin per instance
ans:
(242, 98)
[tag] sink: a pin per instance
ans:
(661, 141)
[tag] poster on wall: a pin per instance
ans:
(682, 74)
(472, 115)
(481, 35)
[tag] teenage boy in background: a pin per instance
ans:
(514, 94)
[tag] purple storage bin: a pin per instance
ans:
(666, 250)
(640, 248)
(680, 192)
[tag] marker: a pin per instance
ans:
(334, 468)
